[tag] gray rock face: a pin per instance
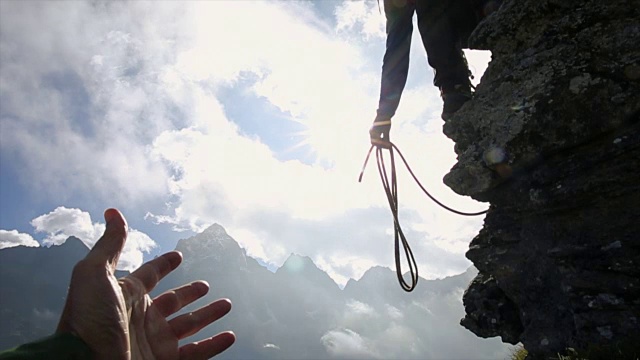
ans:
(552, 141)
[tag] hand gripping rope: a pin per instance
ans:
(391, 190)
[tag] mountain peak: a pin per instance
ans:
(377, 272)
(296, 263)
(216, 230)
(304, 268)
(74, 242)
(213, 242)
(374, 277)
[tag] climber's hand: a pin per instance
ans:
(379, 133)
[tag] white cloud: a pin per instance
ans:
(393, 312)
(64, 222)
(359, 308)
(128, 111)
(132, 254)
(348, 344)
(11, 238)
(399, 341)
(364, 16)
(347, 264)
(77, 105)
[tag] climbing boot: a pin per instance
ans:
(454, 97)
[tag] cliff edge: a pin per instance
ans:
(552, 141)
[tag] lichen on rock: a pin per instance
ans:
(558, 253)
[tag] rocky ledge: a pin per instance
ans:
(552, 141)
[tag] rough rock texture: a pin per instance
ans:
(559, 253)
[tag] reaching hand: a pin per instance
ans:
(379, 133)
(118, 320)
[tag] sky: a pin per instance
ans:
(250, 114)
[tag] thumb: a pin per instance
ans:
(109, 246)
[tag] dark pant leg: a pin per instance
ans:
(440, 38)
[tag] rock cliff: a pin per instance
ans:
(552, 141)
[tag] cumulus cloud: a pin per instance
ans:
(63, 222)
(393, 312)
(359, 308)
(347, 344)
(129, 110)
(78, 105)
(362, 16)
(11, 238)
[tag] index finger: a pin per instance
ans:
(150, 273)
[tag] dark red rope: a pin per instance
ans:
(391, 191)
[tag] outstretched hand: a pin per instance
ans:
(118, 319)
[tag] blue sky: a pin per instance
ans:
(250, 114)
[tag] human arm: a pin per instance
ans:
(117, 319)
(61, 346)
(395, 65)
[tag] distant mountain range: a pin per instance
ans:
(298, 312)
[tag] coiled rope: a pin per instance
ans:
(391, 191)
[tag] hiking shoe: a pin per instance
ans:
(454, 97)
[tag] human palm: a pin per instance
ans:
(117, 319)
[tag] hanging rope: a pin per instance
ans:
(391, 191)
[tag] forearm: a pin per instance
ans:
(395, 64)
(58, 346)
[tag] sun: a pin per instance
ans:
(334, 141)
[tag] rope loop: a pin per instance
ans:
(391, 191)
